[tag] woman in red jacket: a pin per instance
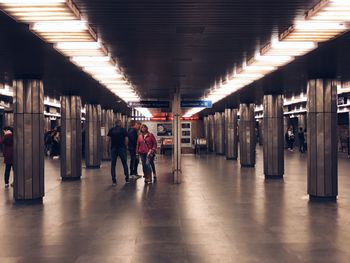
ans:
(146, 149)
(7, 142)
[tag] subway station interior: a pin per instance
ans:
(248, 101)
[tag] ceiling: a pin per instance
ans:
(164, 45)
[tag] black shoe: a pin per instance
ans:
(127, 180)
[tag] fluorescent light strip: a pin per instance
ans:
(59, 22)
(325, 21)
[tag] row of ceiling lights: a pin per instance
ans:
(59, 22)
(323, 22)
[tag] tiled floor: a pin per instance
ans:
(220, 213)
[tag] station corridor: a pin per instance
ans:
(220, 213)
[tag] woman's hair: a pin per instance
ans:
(144, 126)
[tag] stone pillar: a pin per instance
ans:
(106, 125)
(285, 127)
(176, 109)
(212, 133)
(93, 136)
(28, 140)
(261, 131)
(247, 135)
(274, 137)
(8, 119)
(71, 138)
(118, 116)
(206, 130)
(219, 133)
(302, 121)
(231, 134)
(322, 156)
(47, 124)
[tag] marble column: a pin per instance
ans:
(176, 161)
(231, 134)
(71, 138)
(212, 133)
(273, 137)
(247, 135)
(93, 136)
(219, 133)
(106, 125)
(28, 140)
(322, 153)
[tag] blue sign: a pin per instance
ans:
(196, 104)
(149, 104)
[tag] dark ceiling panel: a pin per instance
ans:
(162, 45)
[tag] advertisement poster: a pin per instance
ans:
(164, 129)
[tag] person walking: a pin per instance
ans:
(301, 136)
(146, 148)
(7, 142)
(133, 134)
(118, 141)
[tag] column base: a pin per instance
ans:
(177, 176)
(36, 201)
(313, 198)
(65, 179)
(93, 167)
(276, 177)
(231, 158)
(220, 154)
(247, 165)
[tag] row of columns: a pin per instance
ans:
(321, 137)
(29, 122)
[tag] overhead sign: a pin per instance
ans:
(196, 104)
(149, 104)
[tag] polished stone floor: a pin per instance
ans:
(220, 213)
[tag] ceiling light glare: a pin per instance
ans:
(78, 45)
(59, 22)
(306, 31)
(275, 61)
(32, 2)
(330, 10)
(287, 48)
(60, 26)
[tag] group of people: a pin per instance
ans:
(290, 139)
(137, 139)
(141, 144)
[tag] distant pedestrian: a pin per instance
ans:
(290, 137)
(133, 134)
(7, 142)
(146, 149)
(56, 143)
(301, 136)
(118, 141)
(48, 142)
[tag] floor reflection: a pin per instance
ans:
(220, 213)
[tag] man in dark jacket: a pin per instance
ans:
(133, 133)
(118, 141)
